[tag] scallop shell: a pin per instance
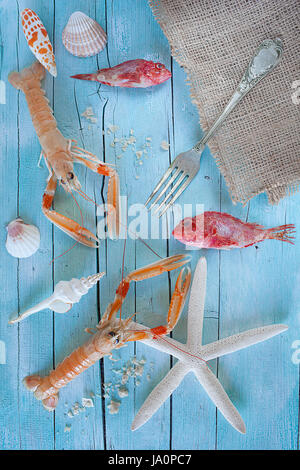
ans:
(82, 36)
(38, 40)
(23, 240)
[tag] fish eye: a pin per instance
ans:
(70, 175)
(62, 181)
(159, 66)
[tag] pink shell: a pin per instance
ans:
(38, 40)
(82, 36)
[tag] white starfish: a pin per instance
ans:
(192, 357)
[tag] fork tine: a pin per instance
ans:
(171, 180)
(176, 195)
(178, 182)
(161, 182)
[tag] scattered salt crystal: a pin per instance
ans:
(111, 128)
(70, 414)
(164, 145)
(139, 153)
(87, 403)
(114, 407)
(131, 132)
(149, 139)
(67, 428)
(125, 378)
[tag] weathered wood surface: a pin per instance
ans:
(246, 288)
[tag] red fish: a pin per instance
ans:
(223, 232)
(138, 73)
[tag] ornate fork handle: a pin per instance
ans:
(264, 60)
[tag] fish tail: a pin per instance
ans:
(86, 76)
(283, 233)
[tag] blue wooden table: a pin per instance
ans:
(246, 288)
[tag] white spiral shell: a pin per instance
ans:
(66, 293)
(23, 240)
(82, 36)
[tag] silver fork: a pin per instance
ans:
(186, 165)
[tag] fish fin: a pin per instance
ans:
(225, 243)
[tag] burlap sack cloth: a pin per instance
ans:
(258, 147)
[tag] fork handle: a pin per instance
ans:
(265, 59)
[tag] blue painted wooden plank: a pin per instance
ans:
(262, 380)
(194, 427)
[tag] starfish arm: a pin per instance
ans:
(241, 341)
(196, 306)
(217, 394)
(160, 394)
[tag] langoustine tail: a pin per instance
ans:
(283, 233)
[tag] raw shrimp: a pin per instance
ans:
(113, 332)
(223, 231)
(60, 155)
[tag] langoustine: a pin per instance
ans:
(113, 332)
(60, 155)
(138, 73)
(223, 231)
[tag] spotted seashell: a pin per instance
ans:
(82, 36)
(23, 240)
(38, 40)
